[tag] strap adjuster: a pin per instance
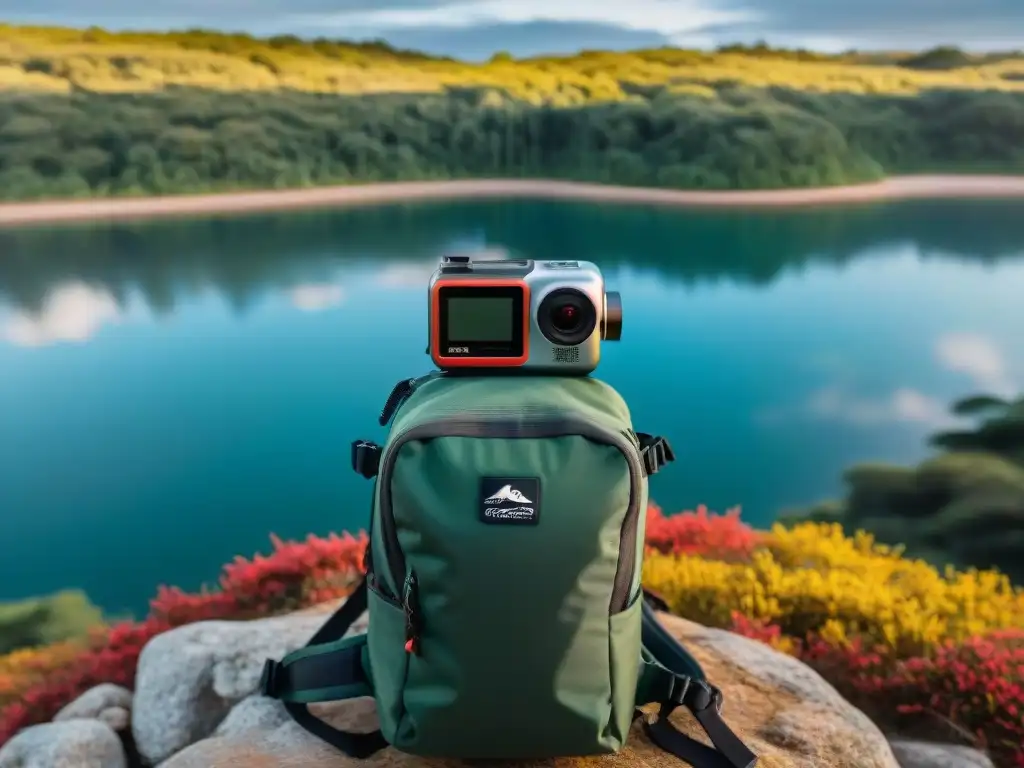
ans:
(696, 695)
(270, 680)
(678, 687)
(366, 458)
(655, 451)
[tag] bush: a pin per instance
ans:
(40, 621)
(971, 691)
(701, 533)
(294, 575)
(813, 579)
(22, 669)
(900, 639)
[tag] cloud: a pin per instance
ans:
(875, 24)
(532, 38)
(838, 405)
(974, 355)
(316, 297)
(903, 405)
(669, 17)
(979, 358)
(475, 28)
(71, 313)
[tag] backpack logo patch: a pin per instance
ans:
(510, 500)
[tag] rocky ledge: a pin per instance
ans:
(195, 706)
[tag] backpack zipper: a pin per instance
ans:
(514, 423)
(401, 392)
(410, 606)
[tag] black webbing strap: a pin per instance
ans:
(673, 678)
(655, 451)
(330, 668)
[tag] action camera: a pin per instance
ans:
(535, 316)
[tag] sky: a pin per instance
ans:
(475, 29)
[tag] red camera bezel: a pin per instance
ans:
(444, 361)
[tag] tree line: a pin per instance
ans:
(184, 140)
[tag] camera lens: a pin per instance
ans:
(567, 317)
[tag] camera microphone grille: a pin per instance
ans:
(566, 354)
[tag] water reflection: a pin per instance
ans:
(974, 356)
(242, 259)
(71, 312)
(980, 358)
(315, 297)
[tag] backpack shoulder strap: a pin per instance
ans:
(671, 677)
(366, 454)
(331, 667)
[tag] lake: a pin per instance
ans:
(173, 392)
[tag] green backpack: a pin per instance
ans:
(502, 580)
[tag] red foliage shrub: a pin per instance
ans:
(295, 574)
(722, 537)
(769, 634)
(975, 688)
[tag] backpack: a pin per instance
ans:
(507, 619)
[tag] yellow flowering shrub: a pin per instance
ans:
(20, 669)
(813, 579)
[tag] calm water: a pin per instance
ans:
(171, 393)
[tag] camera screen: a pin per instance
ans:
(480, 319)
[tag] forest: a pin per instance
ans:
(90, 113)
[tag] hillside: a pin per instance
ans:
(86, 113)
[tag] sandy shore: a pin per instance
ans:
(896, 188)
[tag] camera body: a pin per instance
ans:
(520, 315)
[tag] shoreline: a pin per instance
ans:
(895, 188)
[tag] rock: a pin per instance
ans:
(288, 744)
(783, 710)
(922, 754)
(256, 713)
(189, 678)
(109, 703)
(118, 718)
(812, 718)
(68, 744)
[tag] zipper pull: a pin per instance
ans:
(411, 609)
(398, 396)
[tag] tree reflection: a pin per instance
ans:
(241, 258)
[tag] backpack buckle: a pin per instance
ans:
(270, 681)
(366, 458)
